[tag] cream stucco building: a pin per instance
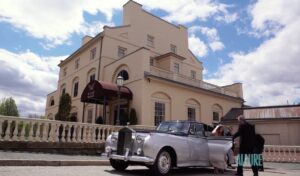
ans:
(163, 75)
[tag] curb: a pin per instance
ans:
(16, 162)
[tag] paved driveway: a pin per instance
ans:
(131, 171)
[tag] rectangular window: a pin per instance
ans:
(92, 77)
(121, 52)
(65, 71)
(176, 68)
(159, 113)
(90, 116)
(76, 64)
(150, 40)
(216, 116)
(173, 48)
(75, 92)
(151, 61)
(193, 74)
(63, 91)
(93, 53)
(191, 114)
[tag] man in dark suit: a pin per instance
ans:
(246, 132)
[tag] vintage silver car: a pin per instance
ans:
(172, 144)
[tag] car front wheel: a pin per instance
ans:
(119, 165)
(163, 163)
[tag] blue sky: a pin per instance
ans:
(254, 42)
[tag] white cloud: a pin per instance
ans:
(228, 18)
(55, 20)
(216, 45)
(197, 46)
(28, 78)
(270, 73)
(212, 36)
(185, 11)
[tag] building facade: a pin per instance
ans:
(279, 125)
(153, 57)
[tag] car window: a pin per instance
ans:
(199, 130)
(174, 127)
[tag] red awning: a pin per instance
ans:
(98, 92)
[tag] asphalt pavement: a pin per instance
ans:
(36, 164)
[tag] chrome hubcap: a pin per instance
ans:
(164, 162)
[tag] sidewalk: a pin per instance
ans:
(14, 158)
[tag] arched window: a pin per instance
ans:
(122, 70)
(161, 107)
(75, 84)
(52, 103)
(91, 75)
(217, 111)
(62, 89)
(124, 74)
(193, 109)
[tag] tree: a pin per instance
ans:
(8, 107)
(132, 117)
(64, 108)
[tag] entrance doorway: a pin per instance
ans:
(123, 115)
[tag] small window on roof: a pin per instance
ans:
(193, 74)
(121, 52)
(150, 40)
(152, 61)
(173, 48)
(93, 53)
(65, 71)
(76, 63)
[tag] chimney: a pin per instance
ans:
(85, 39)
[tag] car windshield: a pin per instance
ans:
(174, 127)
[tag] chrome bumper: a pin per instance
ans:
(134, 158)
(126, 157)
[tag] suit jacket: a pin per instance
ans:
(246, 132)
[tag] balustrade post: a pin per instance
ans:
(30, 136)
(84, 133)
(45, 131)
(63, 133)
(37, 132)
(56, 137)
(7, 131)
(68, 137)
(79, 133)
(51, 132)
(93, 134)
(88, 134)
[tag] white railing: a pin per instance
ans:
(39, 130)
(281, 153)
(188, 80)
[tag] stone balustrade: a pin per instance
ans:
(281, 153)
(40, 130)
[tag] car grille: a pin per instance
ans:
(124, 141)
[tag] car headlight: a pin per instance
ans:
(140, 139)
